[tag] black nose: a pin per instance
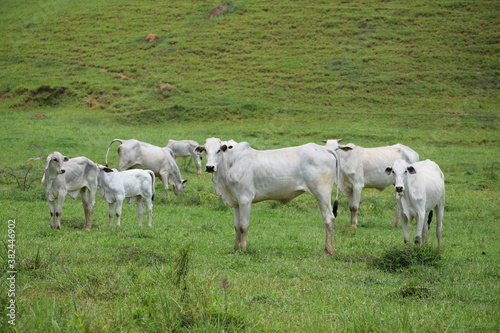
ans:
(399, 188)
(63, 171)
(210, 168)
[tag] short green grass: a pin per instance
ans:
(76, 75)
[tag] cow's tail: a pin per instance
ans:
(153, 177)
(429, 219)
(337, 167)
(120, 141)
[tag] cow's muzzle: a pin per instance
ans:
(210, 168)
(399, 189)
(63, 171)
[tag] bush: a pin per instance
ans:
(398, 258)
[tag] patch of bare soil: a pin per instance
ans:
(123, 76)
(218, 11)
(151, 38)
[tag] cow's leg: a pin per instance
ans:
(88, 207)
(140, 209)
(237, 241)
(197, 162)
(420, 225)
(323, 196)
(164, 180)
(149, 209)
(241, 223)
(439, 221)
(184, 162)
(118, 210)
(111, 213)
(53, 210)
(425, 231)
(58, 211)
(329, 220)
(405, 227)
(354, 200)
(395, 221)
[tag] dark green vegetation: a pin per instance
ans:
(75, 75)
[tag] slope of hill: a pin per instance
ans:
(253, 59)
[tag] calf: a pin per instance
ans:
(135, 185)
(419, 188)
(69, 176)
(185, 148)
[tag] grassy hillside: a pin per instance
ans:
(257, 59)
(75, 75)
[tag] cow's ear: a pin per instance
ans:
(345, 148)
(47, 161)
(411, 170)
(388, 170)
(107, 170)
(199, 149)
(184, 181)
(65, 159)
(223, 147)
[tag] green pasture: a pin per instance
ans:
(75, 75)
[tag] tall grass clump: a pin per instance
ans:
(181, 304)
(398, 258)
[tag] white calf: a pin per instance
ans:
(419, 189)
(69, 176)
(135, 184)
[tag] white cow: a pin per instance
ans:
(136, 185)
(211, 153)
(135, 154)
(69, 176)
(243, 175)
(419, 188)
(362, 168)
(185, 148)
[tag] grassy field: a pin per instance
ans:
(75, 75)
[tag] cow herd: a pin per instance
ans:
(243, 175)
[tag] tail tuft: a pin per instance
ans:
(429, 219)
(335, 207)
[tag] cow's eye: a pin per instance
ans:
(218, 151)
(55, 160)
